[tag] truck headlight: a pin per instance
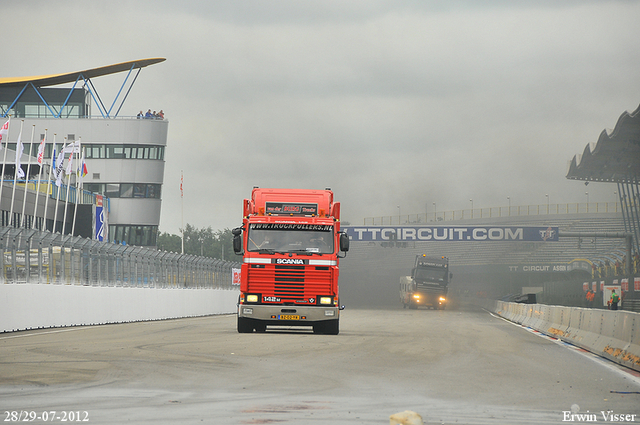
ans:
(252, 298)
(325, 300)
(416, 296)
(442, 299)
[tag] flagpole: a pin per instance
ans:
(49, 189)
(78, 188)
(66, 199)
(61, 159)
(4, 161)
(15, 174)
(40, 160)
(26, 180)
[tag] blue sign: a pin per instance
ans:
(450, 233)
(100, 223)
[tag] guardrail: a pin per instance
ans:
(492, 212)
(39, 257)
(614, 335)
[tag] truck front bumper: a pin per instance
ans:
(288, 315)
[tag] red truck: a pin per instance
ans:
(290, 240)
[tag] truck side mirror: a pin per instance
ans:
(413, 273)
(344, 242)
(237, 240)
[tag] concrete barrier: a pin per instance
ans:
(614, 335)
(33, 306)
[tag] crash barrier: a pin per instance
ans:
(51, 280)
(614, 335)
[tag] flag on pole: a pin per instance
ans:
(73, 147)
(19, 151)
(181, 181)
(4, 132)
(69, 169)
(59, 168)
(41, 149)
(82, 168)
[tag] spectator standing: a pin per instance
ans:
(614, 300)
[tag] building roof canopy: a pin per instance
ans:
(71, 77)
(616, 156)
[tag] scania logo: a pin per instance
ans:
(289, 261)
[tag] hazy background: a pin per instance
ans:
(390, 103)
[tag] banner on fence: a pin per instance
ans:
(453, 233)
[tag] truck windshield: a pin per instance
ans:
(433, 275)
(301, 238)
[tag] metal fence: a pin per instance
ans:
(491, 212)
(33, 256)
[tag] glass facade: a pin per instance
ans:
(100, 151)
(125, 190)
(133, 235)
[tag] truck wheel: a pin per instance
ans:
(412, 306)
(244, 325)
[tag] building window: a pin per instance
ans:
(134, 235)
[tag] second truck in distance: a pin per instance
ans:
(428, 284)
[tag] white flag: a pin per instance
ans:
(70, 164)
(41, 150)
(19, 151)
(73, 147)
(4, 132)
(59, 168)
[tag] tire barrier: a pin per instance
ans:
(614, 335)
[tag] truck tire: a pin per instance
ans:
(244, 325)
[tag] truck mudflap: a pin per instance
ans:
(258, 316)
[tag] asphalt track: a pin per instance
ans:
(452, 367)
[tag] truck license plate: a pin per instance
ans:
(289, 317)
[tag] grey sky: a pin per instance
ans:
(387, 102)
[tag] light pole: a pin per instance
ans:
(471, 200)
(509, 199)
(398, 214)
(547, 196)
(435, 212)
(587, 193)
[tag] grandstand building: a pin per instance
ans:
(124, 155)
(593, 254)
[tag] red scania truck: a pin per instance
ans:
(290, 240)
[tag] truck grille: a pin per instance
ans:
(289, 282)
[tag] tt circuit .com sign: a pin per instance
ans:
(451, 234)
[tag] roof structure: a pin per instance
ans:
(616, 156)
(71, 77)
(21, 84)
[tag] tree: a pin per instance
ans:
(204, 242)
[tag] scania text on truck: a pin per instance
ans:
(290, 240)
(428, 284)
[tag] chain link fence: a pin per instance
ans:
(33, 256)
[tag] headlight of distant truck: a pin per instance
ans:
(252, 298)
(442, 299)
(416, 296)
(326, 300)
